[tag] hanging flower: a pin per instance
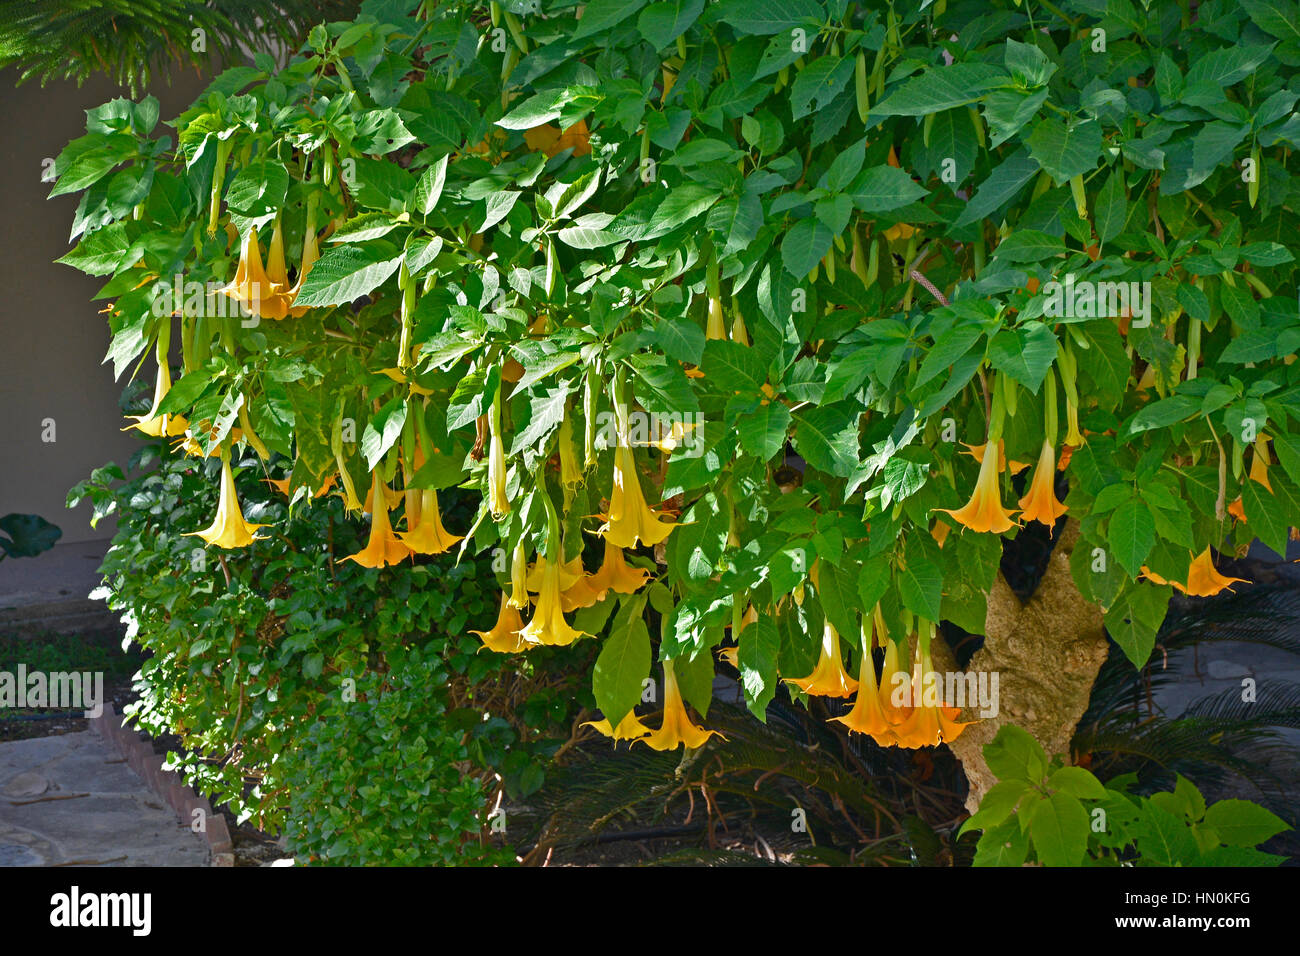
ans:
(1203, 580)
(984, 511)
(892, 677)
(828, 679)
(868, 716)
(229, 530)
(629, 728)
(310, 254)
(615, 575)
(548, 625)
(1040, 503)
(631, 520)
(252, 287)
(518, 578)
(429, 536)
(505, 637)
(498, 500)
(929, 723)
(153, 424)
(676, 728)
(716, 327)
(977, 452)
(384, 548)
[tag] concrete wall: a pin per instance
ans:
(52, 339)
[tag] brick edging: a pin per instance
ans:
(167, 785)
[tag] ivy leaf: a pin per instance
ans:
(347, 273)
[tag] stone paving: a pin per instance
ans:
(71, 800)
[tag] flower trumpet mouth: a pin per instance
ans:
(1203, 580)
(504, 638)
(252, 288)
(829, 678)
(229, 530)
(548, 625)
(631, 520)
(984, 511)
(629, 728)
(615, 575)
(429, 536)
(384, 547)
(1040, 503)
(153, 424)
(676, 729)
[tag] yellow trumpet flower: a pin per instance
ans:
(1040, 503)
(548, 625)
(153, 424)
(676, 728)
(429, 536)
(282, 485)
(828, 679)
(252, 287)
(929, 723)
(1259, 463)
(630, 519)
(977, 452)
(629, 728)
(518, 578)
(498, 500)
(229, 530)
(868, 716)
(383, 548)
(984, 511)
(716, 328)
(615, 575)
(505, 637)
(895, 713)
(1203, 580)
(276, 270)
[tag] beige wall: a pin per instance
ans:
(52, 341)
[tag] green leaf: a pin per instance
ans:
(28, 535)
(884, 189)
(756, 656)
(547, 414)
(624, 662)
(1163, 839)
(997, 805)
(1242, 823)
(838, 593)
(1014, 755)
(427, 192)
(662, 23)
(382, 431)
(347, 273)
(939, 88)
(827, 438)
(765, 17)
(818, 83)
(805, 245)
(1059, 830)
(763, 431)
(1077, 782)
(1003, 845)
(1025, 353)
(1111, 211)
(1029, 245)
(920, 586)
(695, 679)
(1131, 535)
(100, 252)
(1003, 184)
(600, 15)
(1065, 152)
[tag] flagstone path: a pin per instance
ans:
(72, 800)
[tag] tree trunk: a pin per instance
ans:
(1046, 653)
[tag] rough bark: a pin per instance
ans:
(1046, 653)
